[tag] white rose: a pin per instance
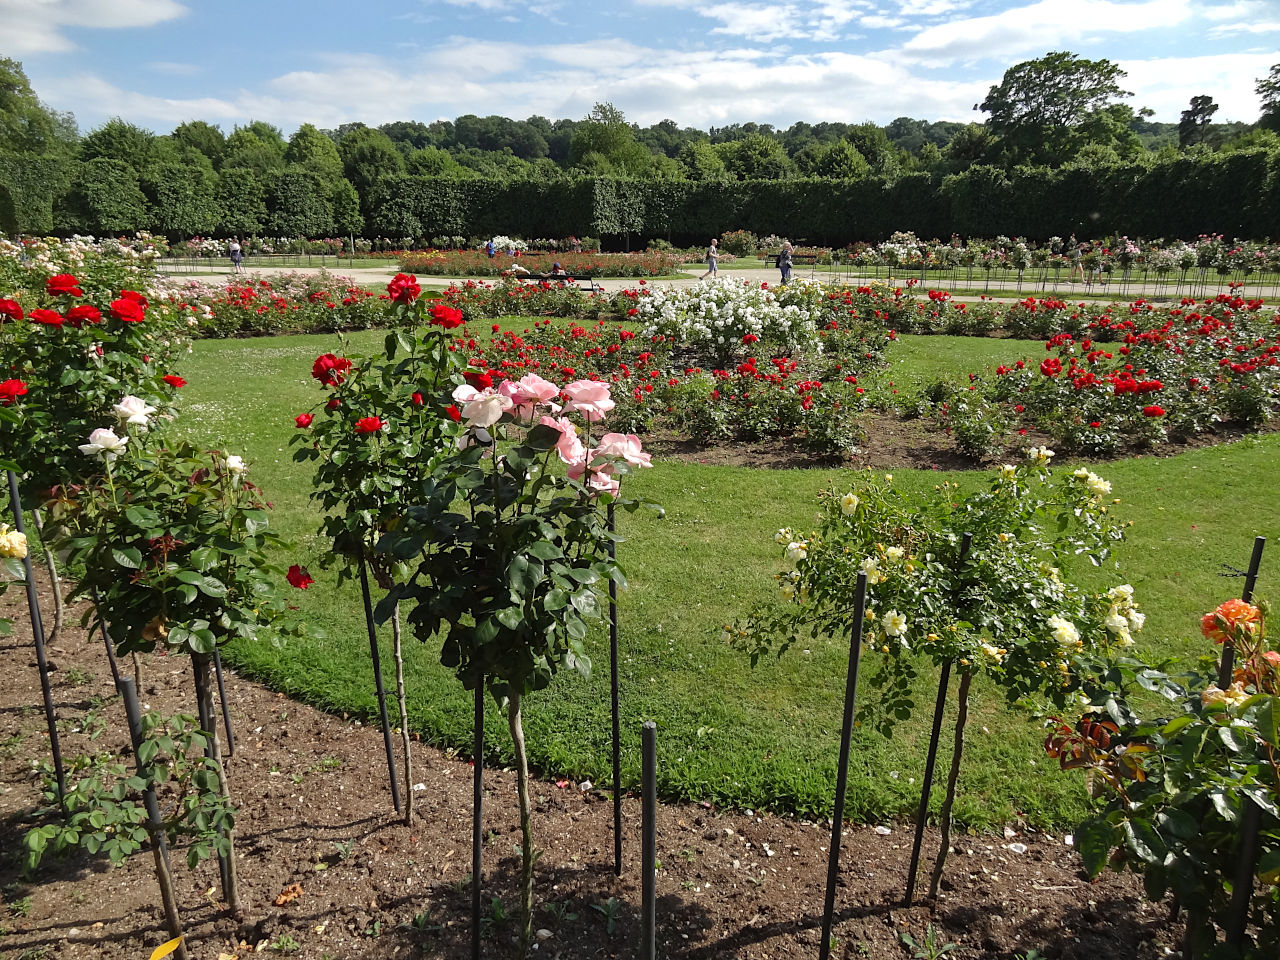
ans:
(848, 504)
(894, 624)
(796, 551)
(133, 410)
(1064, 631)
(104, 443)
(236, 465)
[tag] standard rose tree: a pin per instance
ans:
(384, 423)
(510, 551)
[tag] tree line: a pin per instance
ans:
(1057, 119)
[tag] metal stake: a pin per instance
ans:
(617, 720)
(477, 819)
(159, 846)
(649, 843)
(842, 772)
(222, 698)
(37, 633)
(1227, 666)
(931, 759)
(377, 677)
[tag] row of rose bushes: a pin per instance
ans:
(476, 263)
(1157, 375)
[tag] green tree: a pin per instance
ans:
(259, 147)
(346, 208)
(118, 140)
(756, 157)
(300, 205)
(881, 155)
(1038, 103)
(432, 162)
(312, 151)
(241, 202)
(104, 198)
(701, 161)
(840, 161)
(605, 131)
(26, 124)
(368, 156)
(1193, 125)
(203, 137)
(1268, 90)
(181, 199)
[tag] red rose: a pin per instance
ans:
(173, 380)
(404, 288)
(303, 420)
(446, 316)
(329, 369)
(417, 399)
(135, 296)
(1051, 367)
(369, 425)
(79, 316)
(1153, 411)
(48, 317)
(10, 390)
(478, 379)
(454, 413)
(750, 338)
(298, 577)
(127, 310)
(63, 285)
(11, 309)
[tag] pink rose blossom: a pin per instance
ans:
(625, 446)
(569, 446)
(590, 398)
(599, 479)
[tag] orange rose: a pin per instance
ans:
(1229, 619)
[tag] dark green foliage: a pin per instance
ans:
(241, 201)
(181, 199)
(104, 198)
(299, 206)
(31, 184)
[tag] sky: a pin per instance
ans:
(701, 63)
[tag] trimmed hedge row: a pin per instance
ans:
(1235, 194)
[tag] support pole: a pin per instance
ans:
(617, 720)
(931, 759)
(477, 819)
(106, 640)
(159, 847)
(222, 698)
(377, 677)
(1251, 816)
(649, 843)
(842, 771)
(204, 713)
(37, 634)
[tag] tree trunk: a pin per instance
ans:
(203, 664)
(55, 582)
(962, 717)
(526, 824)
(404, 717)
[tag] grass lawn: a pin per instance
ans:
(763, 738)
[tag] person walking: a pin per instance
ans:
(237, 256)
(713, 257)
(784, 262)
(488, 248)
(1076, 253)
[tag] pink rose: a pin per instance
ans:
(598, 479)
(624, 446)
(590, 398)
(538, 389)
(569, 446)
(485, 410)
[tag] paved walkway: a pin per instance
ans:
(1113, 290)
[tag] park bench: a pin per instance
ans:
(574, 278)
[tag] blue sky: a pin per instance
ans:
(698, 62)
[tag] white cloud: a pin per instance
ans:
(1165, 86)
(1235, 29)
(35, 26)
(1233, 11)
(173, 69)
(1036, 27)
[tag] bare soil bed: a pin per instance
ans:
(315, 811)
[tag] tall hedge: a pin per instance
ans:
(32, 184)
(181, 198)
(299, 206)
(103, 198)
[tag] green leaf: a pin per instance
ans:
(1094, 839)
(555, 600)
(523, 577)
(1267, 721)
(143, 517)
(1142, 839)
(1176, 724)
(255, 520)
(545, 550)
(130, 557)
